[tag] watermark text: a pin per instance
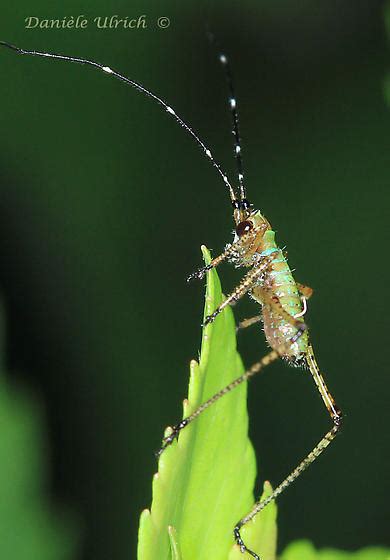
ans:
(99, 22)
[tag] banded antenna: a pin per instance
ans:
(142, 89)
(236, 130)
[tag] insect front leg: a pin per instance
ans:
(245, 241)
(213, 264)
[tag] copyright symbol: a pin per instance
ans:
(163, 22)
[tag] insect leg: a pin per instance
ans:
(258, 366)
(273, 301)
(245, 323)
(213, 264)
(244, 241)
(336, 416)
(243, 287)
(255, 368)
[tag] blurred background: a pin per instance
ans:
(104, 203)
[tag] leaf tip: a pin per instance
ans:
(206, 254)
(145, 513)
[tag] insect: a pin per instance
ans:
(269, 281)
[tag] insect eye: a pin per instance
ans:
(243, 228)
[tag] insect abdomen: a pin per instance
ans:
(278, 284)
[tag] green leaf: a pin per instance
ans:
(29, 527)
(304, 550)
(175, 547)
(205, 481)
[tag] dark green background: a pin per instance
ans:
(105, 202)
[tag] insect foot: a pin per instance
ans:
(241, 543)
(210, 318)
(199, 274)
(168, 440)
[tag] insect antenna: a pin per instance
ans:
(142, 89)
(236, 130)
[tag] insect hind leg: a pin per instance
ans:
(241, 544)
(245, 323)
(336, 417)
